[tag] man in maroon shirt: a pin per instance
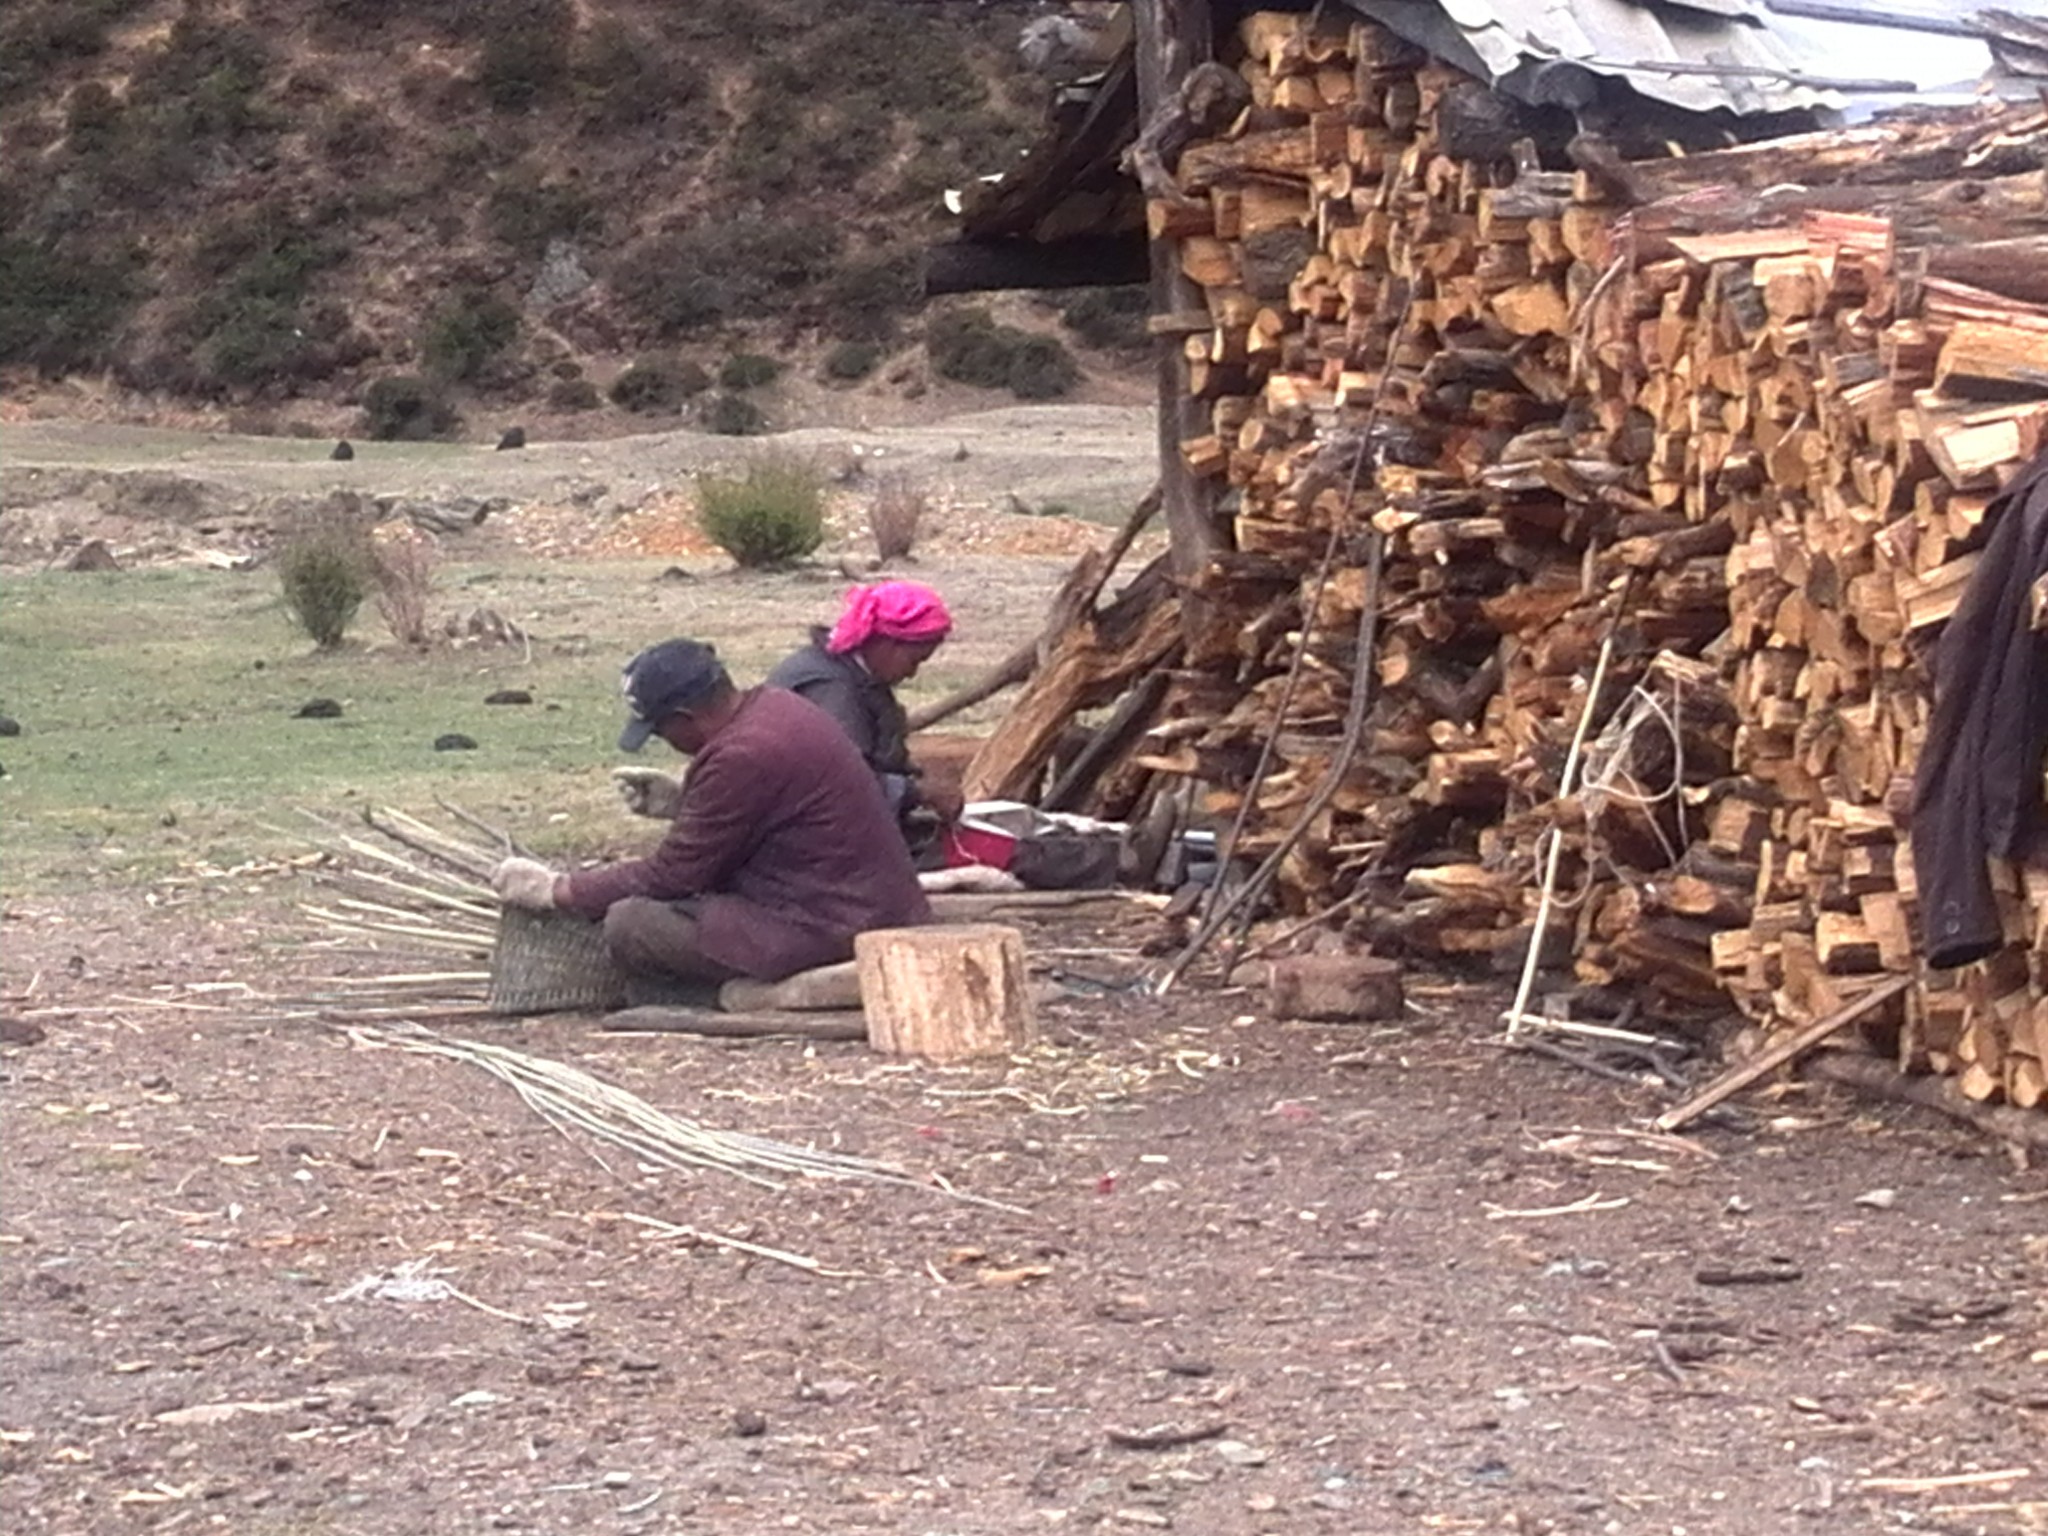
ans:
(782, 847)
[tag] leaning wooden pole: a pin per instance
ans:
(1171, 38)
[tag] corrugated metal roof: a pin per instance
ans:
(1543, 50)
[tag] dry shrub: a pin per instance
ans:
(897, 516)
(403, 559)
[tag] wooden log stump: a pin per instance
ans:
(945, 993)
(1345, 988)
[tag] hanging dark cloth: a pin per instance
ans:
(1977, 794)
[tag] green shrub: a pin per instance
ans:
(327, 568)
(970, 347)
(251, 326)
(852, 360)
(625, 80)
(464, 335)
(1041, 368)
(37, 38)
(574, 395)
(726, 270)
(60, 306)
(92, 119)
(659, 384)
(404, 408)
(866, 299)
(526, 50)
(353, 134)
(526, 211)
(734, 416)
(749, 370)
(773, 515)
(1109, 318)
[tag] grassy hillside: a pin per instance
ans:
(411, 205)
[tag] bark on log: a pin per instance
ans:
(945, 993)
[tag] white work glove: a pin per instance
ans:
(649, 791)
(525, 883)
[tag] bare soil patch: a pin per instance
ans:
(1260, 1277)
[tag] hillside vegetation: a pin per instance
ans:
(410, 205)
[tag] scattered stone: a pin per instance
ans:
(93, 555)
(1879, 1199)
(835, 1389)
(454, 741)
(1188, 1366)
(15, 1031)
(635, 1363)
(318, 709)
(960, 454)
(515, 437)
(9, 726)
(509, 696)
(675, 573)
(343, 451)
(747, 1424)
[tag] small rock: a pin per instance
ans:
(1238, 1454)
(454, 741)
(633, 1363)
(675, 573)
(509, 696)
(9, 726)
(343, 451)
(515, 437)
(93, 555)
(15, 1031)
(836, 1389)
(1187, 1365)
(318, 709)
(1879, 1199)
(747, 1424)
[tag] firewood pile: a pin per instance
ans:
(1635, 491)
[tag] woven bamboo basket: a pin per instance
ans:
(552, 962)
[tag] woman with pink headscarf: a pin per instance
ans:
(884, 634)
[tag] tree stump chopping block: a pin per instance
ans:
(1343, 988)
(945, 993)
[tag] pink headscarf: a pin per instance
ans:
(895, 610)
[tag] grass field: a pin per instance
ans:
(158, 707)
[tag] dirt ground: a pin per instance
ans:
(1319, 1251)
(1238, 1275)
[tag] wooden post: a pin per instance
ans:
(1172, 37)
(946, 993)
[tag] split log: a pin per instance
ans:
(1346, 988)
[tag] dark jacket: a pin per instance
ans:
(1977, 793)
(865, 708)
(782, 838)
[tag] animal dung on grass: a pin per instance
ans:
(318, 709)
(343, 451)
(509, 696)
(454, 741)
(515, 437)
(9, 726)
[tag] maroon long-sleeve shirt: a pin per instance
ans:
(782, 838)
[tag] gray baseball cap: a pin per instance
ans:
(665, 680)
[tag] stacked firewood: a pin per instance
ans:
(1387, 349)
(1632, 494)
(1830, 387)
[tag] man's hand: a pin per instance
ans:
(649, 791)
(942, 800)
(525, 883)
